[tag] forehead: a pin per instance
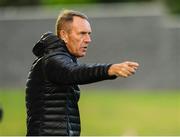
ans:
(80, 23)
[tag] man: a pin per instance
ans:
(52, 91)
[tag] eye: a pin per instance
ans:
(83, 33)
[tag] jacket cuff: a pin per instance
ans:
(106, 71)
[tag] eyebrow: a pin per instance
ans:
(84, 32)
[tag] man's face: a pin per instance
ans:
(78, 38)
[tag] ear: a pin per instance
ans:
(64, 35)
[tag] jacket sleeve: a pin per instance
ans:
(62, 70)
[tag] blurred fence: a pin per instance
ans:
(135, 32)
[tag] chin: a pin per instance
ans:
(82, 55)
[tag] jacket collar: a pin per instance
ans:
(50, 43)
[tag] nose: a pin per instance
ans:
(88, 38)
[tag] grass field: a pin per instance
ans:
(107, 113)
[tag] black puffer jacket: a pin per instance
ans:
(52, 91)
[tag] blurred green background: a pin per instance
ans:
(172, 5)
(109, 112)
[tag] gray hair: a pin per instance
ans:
(66, 17)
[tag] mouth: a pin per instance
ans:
(84, 49)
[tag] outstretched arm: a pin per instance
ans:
(61, 70)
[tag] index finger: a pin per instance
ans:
(133, 64)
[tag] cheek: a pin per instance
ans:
(76, 43)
